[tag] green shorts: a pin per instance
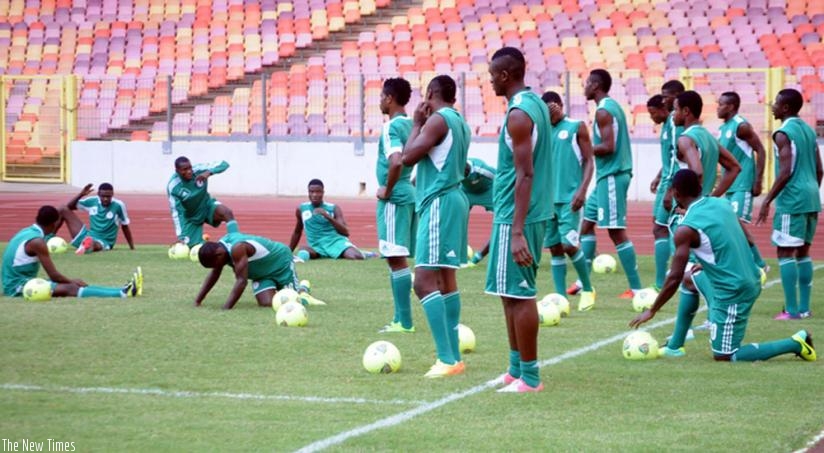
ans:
(331, 246)
(441, 240)
(84, 233)
(607, 204)
(741, 203)
(563, 227)
(503, 276)
(396, 228)
(728, 318)
(660, 215)
(192, 228)
(794, 230)
(285, 277)
(480, 199)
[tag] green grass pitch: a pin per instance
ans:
(157, 374)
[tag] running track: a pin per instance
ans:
(274, 217)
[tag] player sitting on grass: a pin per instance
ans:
(326, 230)
(266, 262)
(106, 213)
(726, 274)
(27, 250)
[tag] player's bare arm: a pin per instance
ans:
(587, 167)
(38, 248)
(86, 190)
(747, 133)
(688, 152)
(338, 221)
(392, 176)
(785, 158)
(603, 121)
(203, 176)
(428, 130)
(731, 171)
(519, 125)
(127, 233)
(297, 232)
(211, 279)
(240, 258)
(653, 186)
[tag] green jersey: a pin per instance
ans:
(480, 177)
(724, 251)
(270, 258)
(189, 200)
(18, 266)
(443, 168)
(707, 151)
(619, 161)
(541, 198)
(316, 226)
(393, 137)
(800, 195)
(104, 221)
(741, 150)
(669, 143)
(566, 160)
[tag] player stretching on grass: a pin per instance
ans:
(523, 205)
(106, 213)
(725, 274)
(190, 202)
(438, 144)
(27, 250)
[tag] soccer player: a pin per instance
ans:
(395, 211)
(477, 186)
(572, 168)
(606, 206)
(739, 137)
(266, 262)
(190, 202)
(106, 213)
(439, 144)
(326, 230)
(795, 192)
(523, 205)
(27, 250)
(726, 274)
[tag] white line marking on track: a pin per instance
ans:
(191, 394)
(428, 407)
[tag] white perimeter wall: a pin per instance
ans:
(285, 169)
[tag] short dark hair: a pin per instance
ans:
(674, 86)
(446, 87)
(105, 186)
(315, 182)
(735, 99)
(47, 215)
(518, 63)
(692, 101)
(686, 182)
(656, 101)
(180, 161)
(206, 253)
(550, 97)
(603, 77)
(399, 89)
(793, 99)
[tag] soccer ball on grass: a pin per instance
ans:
(640, 345)
(382, 357)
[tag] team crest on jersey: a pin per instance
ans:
(109, 215)
(306, 215)
(184, 193)
(729, 134)
(199, 183)
(517, 99)
(563, 135)
(93, 210)
(255, 286)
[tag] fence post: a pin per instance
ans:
(261, 149)
(167, 145)
(566, 91)
(362, 100)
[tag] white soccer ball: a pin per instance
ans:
(382, 357)
(560, 301)
(548, 314)
(640, 345)
(292, 314)
(57, 245)
(193, 253)
(604, 264)
(644, 299)
(179, 251)
(466, 338)
(37, 290)
(284, 296)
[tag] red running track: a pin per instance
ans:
(274, 217)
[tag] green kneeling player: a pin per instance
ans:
(106, 214)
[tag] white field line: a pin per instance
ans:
(812, 443)
(428, 407)
(191, 394)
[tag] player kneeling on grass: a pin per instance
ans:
(266, 262)
(27, 250)
(726, 274)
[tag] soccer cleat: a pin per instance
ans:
(130, 288)
(587, 301)
(508, 378)
(628, 294)
(665, 351)
(784, 316)
(574, 289)
(519, 386)
(367, 254)
(87, 244)
(307, 299)
(805, 314)
(805, 339)
(440, 369)
(396, 327)
(138, 280)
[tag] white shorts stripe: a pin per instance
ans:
(503, 249)
(612, 195)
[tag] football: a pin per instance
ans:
(179, 251)
(283, 296)
(382, 357)
(604, 264)
(37, 290)
(292, 314)
(548, 314)
(560, 301)
(466, 339)
(57, 245)
(640, 345)
(644, 299)
(193, 253)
